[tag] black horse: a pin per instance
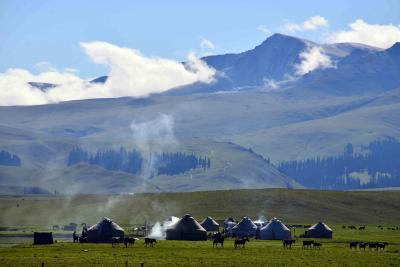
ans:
(241, 242)
(288, 243)
(218, 240)
(149, 241)
(115, 241)
(308, 243)
(129, 241)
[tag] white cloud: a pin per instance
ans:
(44, 66)
(131, 74)
(311, 24)
(263, 29)
(379, 35)
(311, 59)
(206, 44)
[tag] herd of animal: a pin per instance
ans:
(370, 245)
(130, 241)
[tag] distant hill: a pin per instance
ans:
(291, 206)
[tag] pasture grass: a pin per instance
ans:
(334, 252)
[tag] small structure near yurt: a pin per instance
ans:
(42, 238)
(275, 230)
(103, 231)
(319, 230)
(186, 228)
(210, 224)
(245, 228)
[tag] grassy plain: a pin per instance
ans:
(334, 252)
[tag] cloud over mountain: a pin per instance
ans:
(131, 74)
(379, 35)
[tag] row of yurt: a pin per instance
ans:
(187, 228)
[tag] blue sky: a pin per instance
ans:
(51, 31)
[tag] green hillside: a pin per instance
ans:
(221, 126)
(292, 206)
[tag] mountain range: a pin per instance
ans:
(258, 112)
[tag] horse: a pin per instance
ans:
(354, 244)
(372, 245)
(128, 241)
(362, 245)
(317, 245)
(218, 240)
(149, 241)
(307, 243)
(242, 242)
(288, 243)
(115, 240)
(381, 245)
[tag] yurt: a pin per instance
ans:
(245, 227)
(319, 230)
(103, 231)
(42, 238)
(210, 224)
(275, 230)
(187, 228)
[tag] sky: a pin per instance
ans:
(71, 37)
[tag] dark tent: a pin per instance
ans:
(275, 230)
(187, 228)
(210, 225)
(319, 230)
(245, 227)
(103, 231)
(42, 238)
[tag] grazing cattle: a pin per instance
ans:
(307, 243)
(381, 245)
(362, 245)
(361, 228)
(115, 241)
(317, 245)
(288, 243)
(241, 242)
(343, 226)
(354, 244)
(352, 227)
(129, 241)
(149, 241)
(218, 240)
